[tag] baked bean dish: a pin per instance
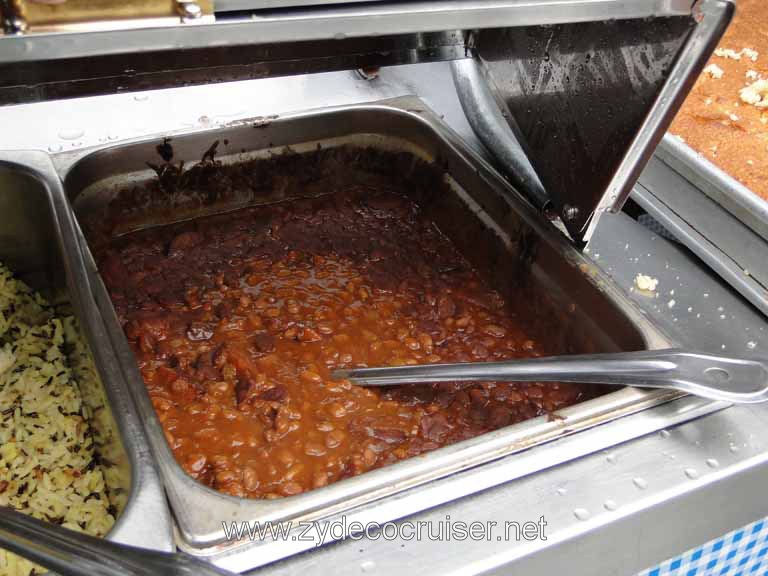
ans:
(237, 320)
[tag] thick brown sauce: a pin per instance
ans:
(236, 321)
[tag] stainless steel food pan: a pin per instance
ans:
(38, 242)
(722, 188)
(720, 220)
(489, 222)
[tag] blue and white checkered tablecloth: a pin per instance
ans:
(743, 552)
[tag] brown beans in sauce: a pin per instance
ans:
(236, 322)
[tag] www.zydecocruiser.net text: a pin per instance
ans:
(320, 532)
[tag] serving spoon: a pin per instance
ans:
(70, 553)
(740, 380)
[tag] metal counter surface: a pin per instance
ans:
(614, 512)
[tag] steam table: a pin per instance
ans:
(612, 512)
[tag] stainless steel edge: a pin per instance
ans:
(720, 186)
(712, 17)
(223, 6)
(465, 483)
(331, 22)
(731, 249)
(146, 499)
(616, 511)
(206, 509)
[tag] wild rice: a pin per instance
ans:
(47, 463)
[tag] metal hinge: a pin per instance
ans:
(30, 16)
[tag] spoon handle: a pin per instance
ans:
(743, 380)
(70, 553)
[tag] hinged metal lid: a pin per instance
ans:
(587, 102)
(586, 87)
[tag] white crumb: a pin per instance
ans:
(728, 53)
(646, 283)
(755, 94)
(714, 71)
(750, 53)
(734, 55)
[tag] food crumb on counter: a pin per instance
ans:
(724, 117)
(755, 94)
(714, 71)
(731, 54)
(646, 283)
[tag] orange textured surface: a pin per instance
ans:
(715, 119)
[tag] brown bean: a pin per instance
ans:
(196, 462)
(479, 351)
(291, 489)
(446, 307)
(225, 476)
(319, 479)
(308, 335)
(369, 457)
(334, 438)
(325, 426)
(295, 470)
(285, 457)
(463, 322)
(325, 328)
(311, 377)
(370, 336)
(314, 449)
(412, 344)
(234, 489)
(426, 342)
(336, 410)
(529, 345)
(250, 479)
(207, 433)
(534, 392)
(494, 330)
